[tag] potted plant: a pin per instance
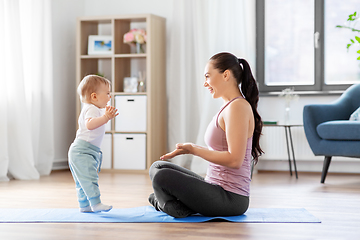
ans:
(351, 24)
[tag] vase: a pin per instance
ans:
(139, 48)
(287, 113)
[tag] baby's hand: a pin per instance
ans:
(110, 112)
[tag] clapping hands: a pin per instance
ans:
(110, 112)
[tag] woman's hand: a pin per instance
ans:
(181, 148)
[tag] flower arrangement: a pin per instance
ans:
(136, 37)
(289, 95)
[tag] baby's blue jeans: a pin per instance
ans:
(84, 162)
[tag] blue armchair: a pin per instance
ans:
(329, 131)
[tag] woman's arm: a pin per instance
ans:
(236, 121)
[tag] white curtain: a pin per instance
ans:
(26, 122)
(200, 29)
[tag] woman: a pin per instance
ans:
(233, 140)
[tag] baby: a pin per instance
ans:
(84, 153)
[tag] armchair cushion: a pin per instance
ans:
(355, 116)
(339, 130)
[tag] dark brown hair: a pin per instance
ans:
(240, 69)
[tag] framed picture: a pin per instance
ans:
(99, 45)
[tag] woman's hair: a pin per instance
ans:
(90, 84)
(240, 69)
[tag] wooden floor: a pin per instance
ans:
(336, 204)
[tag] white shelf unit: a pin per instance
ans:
(127, 146)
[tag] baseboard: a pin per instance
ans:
(336, 166)
(60, 164)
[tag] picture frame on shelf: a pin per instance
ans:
(99, 44)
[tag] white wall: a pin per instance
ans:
(161, 8)
(64, 13)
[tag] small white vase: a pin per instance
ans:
(139, 48)
(287, 112)
(287, 115)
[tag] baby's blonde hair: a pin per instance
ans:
(90, 84)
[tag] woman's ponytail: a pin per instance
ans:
(250, 90)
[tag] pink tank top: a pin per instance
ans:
(233, 180)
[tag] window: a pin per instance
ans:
(298, 45)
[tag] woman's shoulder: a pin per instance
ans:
(239, 108)
(239, 104)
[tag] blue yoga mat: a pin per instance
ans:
(149, 214)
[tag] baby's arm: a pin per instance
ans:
(93, 123)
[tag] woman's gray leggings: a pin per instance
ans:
(172, 182)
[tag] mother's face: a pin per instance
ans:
(213, 80)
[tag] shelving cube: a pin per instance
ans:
(124, 62)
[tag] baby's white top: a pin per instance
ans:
(95, 136)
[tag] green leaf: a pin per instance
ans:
(349, 45)
(358, 51)
(352, 41)
(352, 17)
(357, 38)
(358, 58)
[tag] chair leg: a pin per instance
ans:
(327, 161)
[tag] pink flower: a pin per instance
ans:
(135, 36)
(129, 37)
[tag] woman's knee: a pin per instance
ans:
(162, 177)
(155, 167)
